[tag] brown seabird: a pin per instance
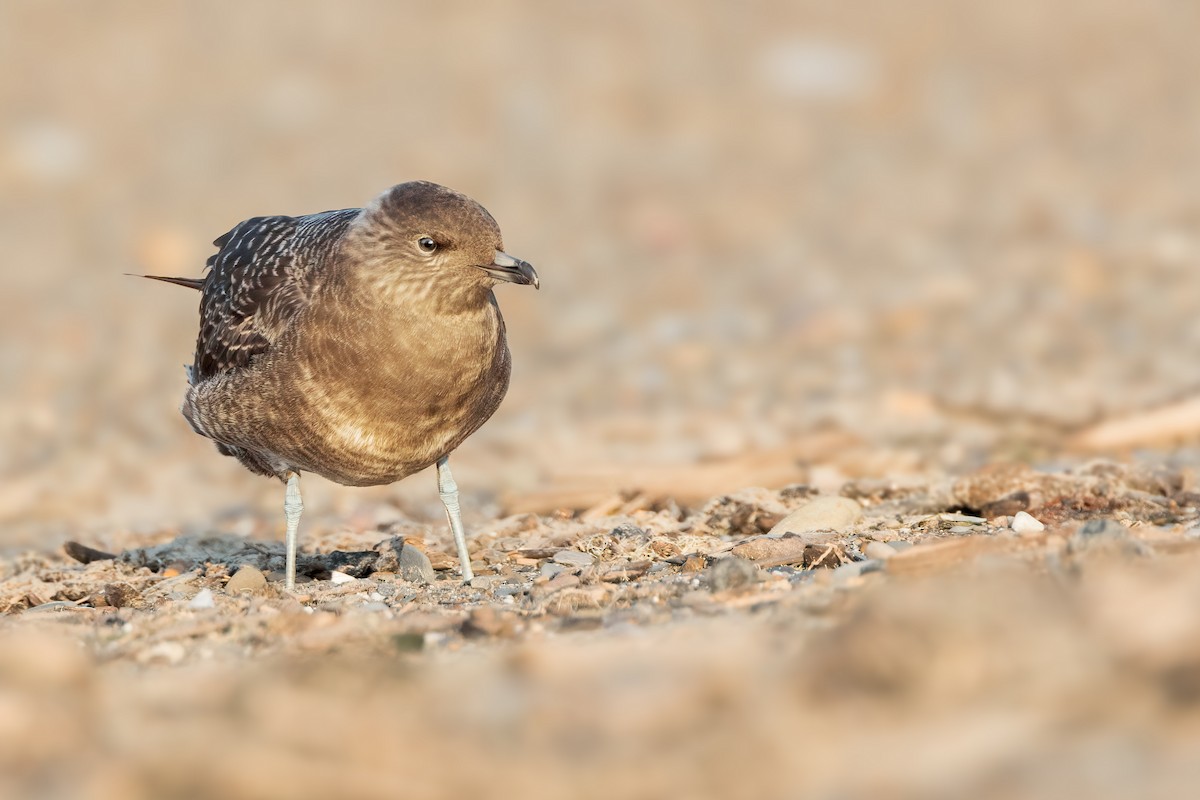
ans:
(363, 345)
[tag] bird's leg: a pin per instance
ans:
(448, 489)
(292, 507)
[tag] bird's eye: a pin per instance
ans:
(427, 244)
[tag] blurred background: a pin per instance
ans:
(954, 230)
(779, 242)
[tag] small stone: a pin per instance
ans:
(203, 599)
(246, 579)
(549, 569)
(879, 550)
(1023, 522)
(485, 582)
(821, 514)
(341, 577)
(968, 519)
(120, 595)
(791, 549)
(414, 566)
(573, 558)
(620, 573)
(731, 573)
(565, 580)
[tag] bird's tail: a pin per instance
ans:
(191, 283)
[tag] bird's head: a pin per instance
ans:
(422, 235)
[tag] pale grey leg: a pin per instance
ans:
(448, 489)
(292, 507)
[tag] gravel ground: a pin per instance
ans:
(925, 274)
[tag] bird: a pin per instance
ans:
(363, 345)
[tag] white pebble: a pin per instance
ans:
(1025, 523)
(203, 599)
(340, 577)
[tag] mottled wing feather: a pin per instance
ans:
(258, 280)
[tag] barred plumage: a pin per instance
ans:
(361, 344)
(257, 281)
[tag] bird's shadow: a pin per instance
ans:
(196, 551)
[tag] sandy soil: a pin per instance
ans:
(904, 271)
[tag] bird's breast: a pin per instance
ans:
(382, 398)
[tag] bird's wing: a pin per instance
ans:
(259, 279)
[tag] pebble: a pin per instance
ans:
(573, 558)
(879, 550)
(789, 549)
(414, 566)
(203, 599)
(952, 516)
(246, 579)
(821, 514)
(549, 569)
(1023, 522)
(485, 582)
(341, 577)
(731, 572)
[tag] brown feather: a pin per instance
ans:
(331, 343)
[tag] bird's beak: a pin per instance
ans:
(512, 270)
